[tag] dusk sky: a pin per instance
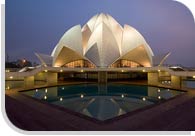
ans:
(37, 25)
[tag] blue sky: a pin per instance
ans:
(37, 25)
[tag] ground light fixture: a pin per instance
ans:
(61, 99)
(45, 97)
(144, 99)
(82, 96)
(122, 95)
(7, 70)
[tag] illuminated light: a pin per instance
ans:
(61, 99)
(45, 90)
(82, 70)
(168, 89)
(159, 70)
(61, 70)
(159, 97)
(122, 70)
(82, 95)
(193, 76)
(122, 96)
(144, 70)
(159, 90)
(8, 88)
(62, 88)
(24, 61)
(7, 70)
(174, 67)
(169, 82)
(165, 81)
(46, 70)
(144, 99)
(45, 97)
(11, 77)
(36, 90)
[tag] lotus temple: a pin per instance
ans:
(97, 74)
(101, 43)
(100, 50)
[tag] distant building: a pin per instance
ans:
(23, 63)
(20, 63)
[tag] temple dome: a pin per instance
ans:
(102, 41)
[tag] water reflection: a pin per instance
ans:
(189, 83)
(102, 88)
(13, 84)
(113, 100)
(142, 92)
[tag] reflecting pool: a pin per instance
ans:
(100, 101)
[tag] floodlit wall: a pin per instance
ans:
(29, 81)
(175, 81)
(153, 78)
(52, 78)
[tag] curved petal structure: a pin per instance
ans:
(65, 56)
(91, 22)
(139, 55)
(103, 41)
(86, 33)
(94, 55)
(45, 60)
(72, 41)
(133, 39)
(160, 59)
(54, 50)
(117, 31)
(107, 46)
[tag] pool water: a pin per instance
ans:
(102, 102)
